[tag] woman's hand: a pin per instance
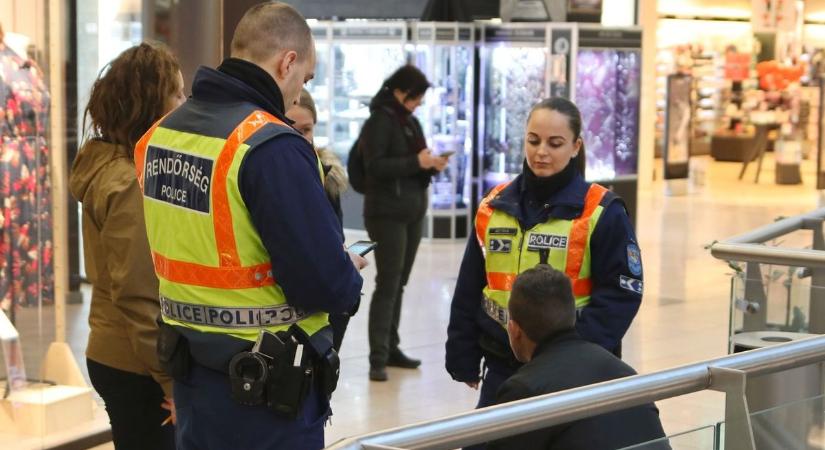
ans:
(440, 162)
(426, 160)
(169, 405)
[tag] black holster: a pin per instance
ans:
(173, 352)
(272, 375)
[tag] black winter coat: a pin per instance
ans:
(396, 186)
(566, 361)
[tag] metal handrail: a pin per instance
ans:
(539, 412)
(745, 247)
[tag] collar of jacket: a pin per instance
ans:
(569, 334)
(566, 204)
(214, 86)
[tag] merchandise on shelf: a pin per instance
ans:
(607, 92)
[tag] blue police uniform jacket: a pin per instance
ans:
(614, 259)
(281, 188)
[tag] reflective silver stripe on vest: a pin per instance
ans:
(229, 317)
(496, 312)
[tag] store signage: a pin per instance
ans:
(442, 34)
(465, 34)
(369, 33)
(320, 33)
(737, 66)
(445, 34)
(609, 38)
(773, 15)
(495, 34)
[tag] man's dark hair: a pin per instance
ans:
(542, 302)
(408, 79)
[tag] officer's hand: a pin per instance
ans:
(472, 384)
(358, 261)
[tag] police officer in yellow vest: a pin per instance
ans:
(247, 248)
(547, 214)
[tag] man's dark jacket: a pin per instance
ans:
(566, 361)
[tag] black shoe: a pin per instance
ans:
(378, 373)
(399, 359)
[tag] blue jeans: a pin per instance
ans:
(208, 418)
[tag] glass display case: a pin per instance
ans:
(445, 53)
(520, 65)
(513, 77)
(363, 55)
(607, 90)
(320, 86)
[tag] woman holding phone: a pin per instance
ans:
(398, 167)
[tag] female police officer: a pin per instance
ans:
(547, 214)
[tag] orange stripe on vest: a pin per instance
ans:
(213, 277)
(578, 237)
(222, 215)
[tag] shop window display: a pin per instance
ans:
(363, 55)
(26, 268)
(515, 79)
(445, 53)
(607, 93)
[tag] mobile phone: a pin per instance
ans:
(362, 247)
(447, 154)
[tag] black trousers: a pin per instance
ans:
(133, 404)
(394, 257)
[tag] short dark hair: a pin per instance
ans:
(574, 120)
(269, 27)
(409, 80)
(542, 302)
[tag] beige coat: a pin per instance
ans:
(118, 262)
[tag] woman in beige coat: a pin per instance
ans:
(134, 90)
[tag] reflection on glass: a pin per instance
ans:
(359, 70)
(515, 80)
(607, 94)
(445, 117)
(318, 87)
(703, 438)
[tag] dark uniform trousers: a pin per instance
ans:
(211, 420)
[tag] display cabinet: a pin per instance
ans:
(520, 64)
(607, 90)
(445, 53)
(320, 86)
(362, 55)
(514, 61)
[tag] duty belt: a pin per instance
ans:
(229, 317)
(496, 311)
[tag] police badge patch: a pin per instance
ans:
(501, 245)
(634, 259)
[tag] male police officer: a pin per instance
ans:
(244, 241)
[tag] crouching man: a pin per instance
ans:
(541, 327)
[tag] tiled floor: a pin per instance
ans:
(684, 316)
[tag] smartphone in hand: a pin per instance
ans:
(361, 248)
